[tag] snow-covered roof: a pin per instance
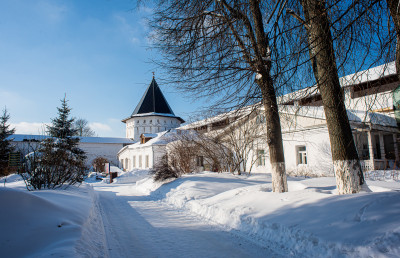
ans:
(353, 115)
(371, 74)
(106, 140)
(317, 112)
(232, 114)
(28, 137)
(162, 138)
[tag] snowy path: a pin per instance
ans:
(137, 226)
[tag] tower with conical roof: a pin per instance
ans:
(152, 115)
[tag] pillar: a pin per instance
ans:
(382, 145)
(371, 150)
(396, 150)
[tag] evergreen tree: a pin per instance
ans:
(5, 146)
(63, 132)
(62, 126)
(59, 161)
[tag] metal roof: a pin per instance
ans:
(153, 102)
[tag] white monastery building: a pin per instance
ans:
(151, 127)
(372, 99)
(152, 115)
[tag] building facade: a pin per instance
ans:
(370, 97)
(149, 126)
(152, 115)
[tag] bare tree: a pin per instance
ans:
(82, 128)
(229, 147)
(243, 138)
(99, 164)
(220, 48)
(349, 176)
(394, 9)
(163, 170)
(182, 154)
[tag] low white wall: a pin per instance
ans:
(106, 150)
(92, 150)
(154, 153)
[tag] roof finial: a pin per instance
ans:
(153, 75)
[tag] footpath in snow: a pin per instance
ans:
(309, 220)
(205, 214)
(138, 226)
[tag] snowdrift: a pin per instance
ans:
(59, 223)
(309, 220)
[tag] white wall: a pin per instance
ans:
(92, 150)
(149, 124)
(318, 150)
(106, 150)
(154, 154)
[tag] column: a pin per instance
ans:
(382, 145)
(396, 150)
(371, 150)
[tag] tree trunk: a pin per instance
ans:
(349, 176)
(394, 8)
(274, 132)
(274, 136)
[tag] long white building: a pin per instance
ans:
(372, 98)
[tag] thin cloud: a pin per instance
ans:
(127, 28)
(29, 128)
(100, 127)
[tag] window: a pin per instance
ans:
(200, 161)
(126, 164)
(147, 161)
(134, 161)
(140, 161)
(301, 155)
(260, 157)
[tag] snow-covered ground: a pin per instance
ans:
(204, 214)
(48, 223)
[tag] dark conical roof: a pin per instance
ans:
(153, 101)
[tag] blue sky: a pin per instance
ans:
(95, 52)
